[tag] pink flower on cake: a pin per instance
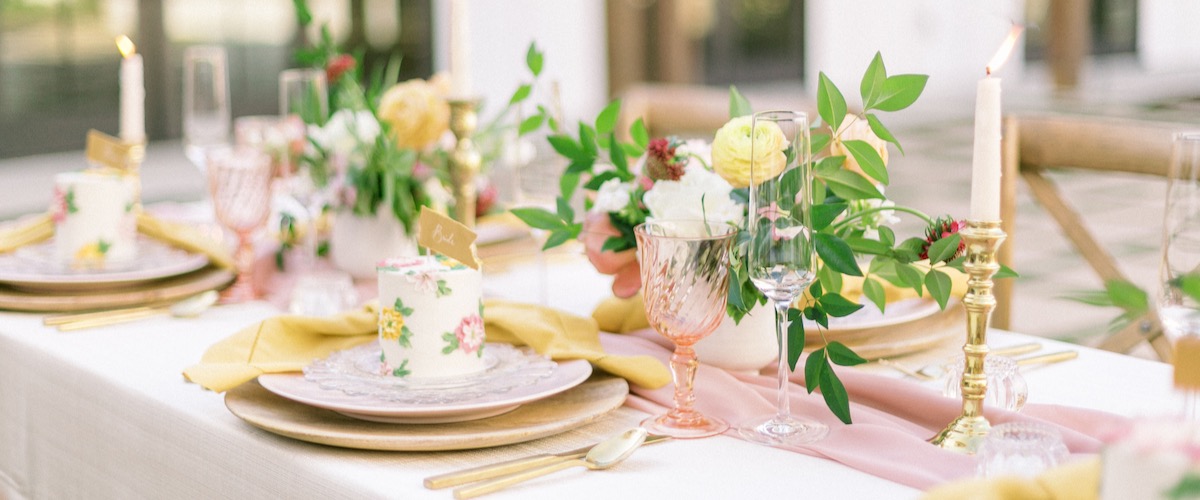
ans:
(58, 206)
(470, 333)
(424, 281)
(398, 263)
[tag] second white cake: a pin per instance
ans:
(431, 318)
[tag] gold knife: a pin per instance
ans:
(512, 466)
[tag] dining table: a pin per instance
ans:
(105, 413)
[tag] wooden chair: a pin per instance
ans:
(1034, 143)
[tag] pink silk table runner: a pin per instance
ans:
(892, 418)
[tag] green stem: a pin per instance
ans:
(845, 222)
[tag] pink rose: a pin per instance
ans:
(622, 265)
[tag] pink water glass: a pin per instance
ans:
(685, 278)
(239, 180)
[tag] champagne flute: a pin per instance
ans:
(206, 116)
(781, 260)
(304, 100)
(239, 182)
(1179, 272)
(685, 280)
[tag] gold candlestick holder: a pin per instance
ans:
(967, 431)
(465, 159)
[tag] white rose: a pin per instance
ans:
(345, 131)
(699, 194)
(612, 196)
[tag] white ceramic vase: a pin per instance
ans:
(359, 242)
(748, 346)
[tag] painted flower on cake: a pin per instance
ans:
(469, 335)
(62, 204)
(391, 324)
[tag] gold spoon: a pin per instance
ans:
(186, 308)
(607, 453)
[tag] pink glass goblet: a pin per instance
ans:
(685, 278)
(239, 180)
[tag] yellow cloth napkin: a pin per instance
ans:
(626, 315)
(26, 232)
(184, 236)
(288, 343)
(41, 227)
(1078, 480)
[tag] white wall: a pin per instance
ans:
(571, 33)
(1167, 34)
(949, 40)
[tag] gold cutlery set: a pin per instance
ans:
(186, 308)
(935, 371)
(494, 477)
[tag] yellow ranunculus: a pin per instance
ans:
(416, 111)
(732, 146)
(854, 128)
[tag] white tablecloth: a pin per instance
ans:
(104, 413)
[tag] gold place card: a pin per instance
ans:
(106, 151)
(447, 236)
(1187, 363)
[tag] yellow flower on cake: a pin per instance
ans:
(416, 111)
(90, 256)
(390, 324)
(737, 140)
(853, 128)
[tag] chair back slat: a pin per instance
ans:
(1103, 144)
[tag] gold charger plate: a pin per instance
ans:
(154, 292)
(902, 338)
(583, 404)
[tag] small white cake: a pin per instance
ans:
(431, 318)
(94, 223)
(1150, 460)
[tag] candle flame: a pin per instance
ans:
(125, 45)
(1005, 49)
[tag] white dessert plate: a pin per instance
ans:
(35, 268)
(898, 312)
(366, 396)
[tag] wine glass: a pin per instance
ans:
(239, 182)
(781, 258)
(206, 116)
(685, 279)
(1179, 272)
(304, 92)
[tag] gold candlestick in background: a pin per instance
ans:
(465, 159)
(967, 431)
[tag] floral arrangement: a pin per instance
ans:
(671, 178)
(385, 145)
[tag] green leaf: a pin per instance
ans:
(900, 92)
(564, 209)
(531, 124)
(795, 337)
(825, 213)
(538, 218)
(521, 94)
(567, 184)
(830, 103)
(887, 236)
(872, 81)
(617, 155)
(873, 290)
(587, 139)
(813, 367)
(534, 59)
(939, 285)
(862, 245)
(738, 104)
(557, 238)
(835, 395)
(841, 355)
(607, 119)
(303, 15)
(911, 276)
(836, 254)
(632, 150)
(882, 132)
(596, 181)
(1129, 297)
(818, 140)
(957, 264)
(640, 135)
(1005, 272)
(834, 304)
(831, 280)
(1092, 298)
(1188, 487)
(846, 184)
(567, 146)
(945, 248)
(868, 159)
